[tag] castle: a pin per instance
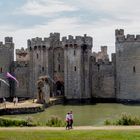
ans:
(77, 72)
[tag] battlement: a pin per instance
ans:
(79, 40)
(119, 32)
(55, 36)
(1, 43)
(104, 49)
(8, 40)
(120, 37)
(22, 55)
(8, 43)
(43, 43)
(22, 50)
(101, 55)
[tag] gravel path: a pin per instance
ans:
(75, 128)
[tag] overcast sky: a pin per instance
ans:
(25, 19)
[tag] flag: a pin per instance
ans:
(12, 77)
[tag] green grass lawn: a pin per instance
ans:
(84, 115)
(69, 135)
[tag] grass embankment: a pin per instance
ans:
(69, 135)
(84, 115)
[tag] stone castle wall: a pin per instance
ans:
(73, 67)
(6, 59)
(127, 66)
(103, 81)
(22, 74)
(76, 60)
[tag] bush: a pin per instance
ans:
(30, 121)
(6, 122)
(55, 122)
(107, 122)
(125, 119)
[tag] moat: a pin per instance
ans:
(84, 114)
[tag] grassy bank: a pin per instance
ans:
(84, 115)
(69, 135)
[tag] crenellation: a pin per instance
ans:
(137, 38)
(22, 50)
(8, 40)
(22, 55)
(55, 36)
(1, 44)
(74, 68)
(119, 32)
(89, 40)
(46, 41)
(129, 37)
(29, 43)
(121, 38)
(70, 39)
(119, 35)
(101, 55)
(78, 40)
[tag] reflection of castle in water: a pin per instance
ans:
(77, 72)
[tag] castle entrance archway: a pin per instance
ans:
(59, 88)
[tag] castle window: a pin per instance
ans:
(35, 47)
(58, 58)
(37, 55)
(42, 69)
(74, 52)
(75, 68)
(119, 86)
(59, 67)
(39, 47)
(134, 69)
(0, 70)
(58, 54)
(98, 67)
(30, 48)
(44, 47)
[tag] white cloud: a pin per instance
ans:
(45, 8)
(122, 14)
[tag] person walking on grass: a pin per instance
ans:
(71, 120)
(67, 121)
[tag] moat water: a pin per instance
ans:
(84, 114)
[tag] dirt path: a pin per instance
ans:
(75, 128)
(21, 104)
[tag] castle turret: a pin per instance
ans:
(6, 61)
(127, 66)
(76, 59)
(38, 64)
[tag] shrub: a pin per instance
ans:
(30, 121)
(55, 122)
(6, 122)
(125, 119)
(107, 122)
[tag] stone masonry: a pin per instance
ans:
(74, 71)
